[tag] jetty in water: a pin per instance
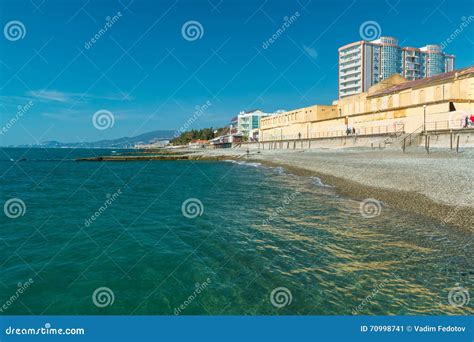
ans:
(141, 156)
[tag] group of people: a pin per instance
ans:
(350, 131)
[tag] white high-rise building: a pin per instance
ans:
(365, 63)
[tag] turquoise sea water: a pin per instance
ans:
(266, 242)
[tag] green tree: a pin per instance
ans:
(201, 134)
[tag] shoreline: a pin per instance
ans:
(437, 186)
(413, 202)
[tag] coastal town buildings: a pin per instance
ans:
(248, 123)
(234, 123)
(226, 140)
(393, 105)
(276, 127)
(383, 89)
(158, 143)
(365, 63)
(198, 143)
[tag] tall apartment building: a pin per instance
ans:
(365, 63)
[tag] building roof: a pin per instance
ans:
(251, 111)
(423, 82)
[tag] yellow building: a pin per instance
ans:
(295, 123)
(393, 105)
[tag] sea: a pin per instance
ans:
(213, 238)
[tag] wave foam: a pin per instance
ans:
(238, 162)
(279, 170)
(317, 181)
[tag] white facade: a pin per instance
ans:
(248, 122)
(354, 62)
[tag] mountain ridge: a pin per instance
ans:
(123, 142)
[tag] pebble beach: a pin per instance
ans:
(438, 185)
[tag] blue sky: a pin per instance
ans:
(144, 71)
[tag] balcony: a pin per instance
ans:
(348, 88)
(350, 58)
(344, 93)
(350, 73)
(349, 65)
(350, 52)
(346, 79)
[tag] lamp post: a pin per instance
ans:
(424, 118)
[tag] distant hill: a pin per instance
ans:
(125, 142)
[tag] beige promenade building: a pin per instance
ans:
(394, 105)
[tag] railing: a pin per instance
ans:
(396, 129)
(444, 125)
(410, 137)
(433, 127)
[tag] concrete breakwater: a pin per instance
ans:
(170, 157)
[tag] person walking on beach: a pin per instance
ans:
(248, 152)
